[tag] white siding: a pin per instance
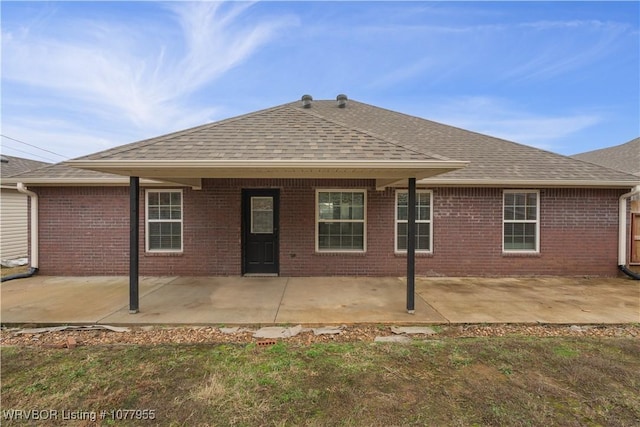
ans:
(13, 224)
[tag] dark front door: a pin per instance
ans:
(260, 234)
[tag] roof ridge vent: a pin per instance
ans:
(306, 101)
(342, 100)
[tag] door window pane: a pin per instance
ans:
(262, 215)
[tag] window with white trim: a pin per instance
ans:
(341, 220)
(164, 220)
(424, 235)
(521, 226)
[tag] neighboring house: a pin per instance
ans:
(13, 208)
(321, 188)
(626, 158)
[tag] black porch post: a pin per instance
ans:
(411, 246)
(134, 206)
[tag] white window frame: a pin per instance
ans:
(536, 222)
(364, 220)
(398, 221)
(148, 221)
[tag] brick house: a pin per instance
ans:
(322, 188)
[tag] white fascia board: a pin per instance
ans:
(105, 182)
(267, 164)
(435, 182)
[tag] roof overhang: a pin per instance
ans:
(189, 172)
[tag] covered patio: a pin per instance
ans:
(319, 300)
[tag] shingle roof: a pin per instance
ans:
(62, 172)
(492, 159)
(11, 165)
(360, 132)
(286, 132)
(624, 157)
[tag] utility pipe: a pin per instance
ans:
(622, 232)
(33, 259)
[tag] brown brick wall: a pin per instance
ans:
(85, 231)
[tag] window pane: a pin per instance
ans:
(154, 212)
(262, 203)
(358, 228)
(165, 212)
(165, 198)
(165, 235)
(346, 228)
(518, 236)
(262, 222)
(326, 211)
(509, 213)
(520, 206)
(345, 211)
(422, 213)
(346, 242)
(423, 217)
(343, 207)
(164, 226)
(324, 197)
(422, 243)
(509, 199)
(154, 198)
(341, 235)
(422, 237)
(176, 212)
(403, 215)
(358, 212)
(262, 215)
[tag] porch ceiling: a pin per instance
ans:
(190, 172)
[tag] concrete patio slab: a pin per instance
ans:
(351, 300)
(319, 300)
(531, 300)
(69, 300)
(208, 300)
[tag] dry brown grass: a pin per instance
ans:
(506, 381)
(8, 271)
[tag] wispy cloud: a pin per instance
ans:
(574, 44)
(134, 74)
(501, 118)
(512, 52)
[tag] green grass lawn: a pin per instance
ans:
(519, 381)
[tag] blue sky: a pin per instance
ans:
(80, 77)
